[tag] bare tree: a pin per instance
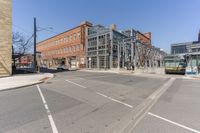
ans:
(144, 54)
(21, 45)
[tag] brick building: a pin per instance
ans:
(65, 48)
(25, 61)
(144, 38)
(5, 37)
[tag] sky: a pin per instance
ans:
(170, 21)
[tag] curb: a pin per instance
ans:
(93, 71)
(191, 78)
(42, 80)
(127, 123)
(14, 88)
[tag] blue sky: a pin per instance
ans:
(170, 21)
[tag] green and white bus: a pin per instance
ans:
(175, 64)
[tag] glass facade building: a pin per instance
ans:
(103, 49)
(184, 48)
(108, 48)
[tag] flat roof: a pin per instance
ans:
(185, 43)
(64, 32)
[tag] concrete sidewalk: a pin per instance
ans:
(144, 74)
(18, 81)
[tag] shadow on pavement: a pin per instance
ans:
(30, 70)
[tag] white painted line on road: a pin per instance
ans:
(76, 84)
(128, 105)
(53, 125)
(177, 124)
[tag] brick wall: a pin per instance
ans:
(144, 38)
(66, 45)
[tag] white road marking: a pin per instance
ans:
(76, 84)
(177, 124)
(128, 105)
(53, 125)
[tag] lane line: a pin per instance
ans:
(53, 125)
(172, 122)
(110, 98)
(76, 84)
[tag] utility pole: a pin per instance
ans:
(106, 46)
(34, 36)
(118, 54)
(134, 50)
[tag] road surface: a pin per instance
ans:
(85, 102)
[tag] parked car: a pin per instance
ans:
(62, 67)
(43, 66)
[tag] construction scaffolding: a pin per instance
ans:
(108, 48)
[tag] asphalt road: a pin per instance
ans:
(177, 111)
(83, 102)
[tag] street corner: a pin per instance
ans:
(15, 82)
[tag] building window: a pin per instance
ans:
(79, 35)
(70, 38)
(74, 48)
(75, 36)
(67, 38)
